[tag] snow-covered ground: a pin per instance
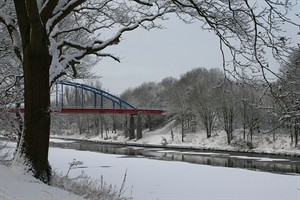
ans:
(15, 185)
(262, 143)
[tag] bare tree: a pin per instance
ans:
(250, 108)
(178, 102)
(227, 108)
(37, 32)
(250, 32)
(203, 96)
(288, 94)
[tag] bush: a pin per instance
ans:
(242, 144)
(87, 187)
(269, 141)
(164, 142)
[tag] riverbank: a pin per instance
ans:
(14, 184)
(261, 144)
(18, 184)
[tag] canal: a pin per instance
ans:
(181, 174)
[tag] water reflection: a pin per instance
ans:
(232, 160)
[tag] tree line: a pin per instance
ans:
(215, 101)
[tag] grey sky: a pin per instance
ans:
(156, 54)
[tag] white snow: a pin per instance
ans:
(60, 141)
(158, 179)
(56, 67)
(14, 185)
(17, 185)
(262, 143)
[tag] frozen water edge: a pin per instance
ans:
(60, 141)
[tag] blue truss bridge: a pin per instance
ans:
(100, 101)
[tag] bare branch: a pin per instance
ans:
(248, 30)
(143, 3)
(62, 12)
(14, 34)
(47, 10)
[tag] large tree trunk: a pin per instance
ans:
(33, 149)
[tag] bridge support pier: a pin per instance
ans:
(131, 127)
(139, 127)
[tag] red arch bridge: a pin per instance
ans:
(78, 98)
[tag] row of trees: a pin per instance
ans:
(220, 102)
(206, 95)
(46, 40)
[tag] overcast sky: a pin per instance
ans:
(153, 55)
(156, 54)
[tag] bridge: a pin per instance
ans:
(98, 102)
(91, 100)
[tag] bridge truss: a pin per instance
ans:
(100, 102)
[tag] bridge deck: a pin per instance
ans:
(102, 111)
(110, 111)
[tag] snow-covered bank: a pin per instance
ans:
(262, 143)
(15, 185)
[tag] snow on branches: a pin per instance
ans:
(77, 29)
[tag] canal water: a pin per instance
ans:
(168, 174)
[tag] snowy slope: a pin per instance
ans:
(17, 186)
(262, 143)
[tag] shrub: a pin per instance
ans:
(87, 187)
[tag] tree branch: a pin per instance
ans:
(13, 33)
(143, 2)
(47, 10)
(62, 13)
(98, 45)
